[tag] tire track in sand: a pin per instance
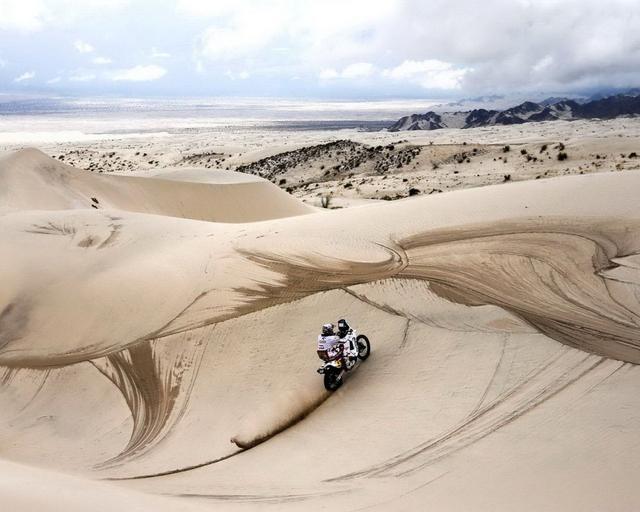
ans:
(562, 371)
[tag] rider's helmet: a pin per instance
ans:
(343, 327)
(327, 330)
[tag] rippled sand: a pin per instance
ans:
(157, 340)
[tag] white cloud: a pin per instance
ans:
(139, 73)
(199, 8)
(82, 77)
(101, 60)
(83, 47)
(242, 37)
(27, 15)
(329, 32)
(495, 46)
(328, 74)
(157, 54)
(358, 70)
(25, 76)
(242, 75)
(35, 15)
(489, 46)
(430, 74)
(543, 64)
(351, 72)
(32, 15)
(3, 63)
(54, 80)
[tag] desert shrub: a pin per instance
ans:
(414, 191)
(283, 181)
(543, 148)
(562, 156)
(633, 155)
(523, 151)
(506, 149)
(507, 177)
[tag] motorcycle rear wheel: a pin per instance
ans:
(332, 381)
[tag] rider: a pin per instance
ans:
(327, 340)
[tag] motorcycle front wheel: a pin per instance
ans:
(364, 347)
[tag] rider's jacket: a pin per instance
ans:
(327, 342)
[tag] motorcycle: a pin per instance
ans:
(338, 359)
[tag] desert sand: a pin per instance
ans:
(357, 167)
(158, 326)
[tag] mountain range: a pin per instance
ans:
(550, 109)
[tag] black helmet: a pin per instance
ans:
(343, 326)
(327, 330)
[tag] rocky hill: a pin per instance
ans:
(547, 110)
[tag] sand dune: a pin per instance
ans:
(30, 180)
(169, 347)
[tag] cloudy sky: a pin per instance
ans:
(317, 48)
